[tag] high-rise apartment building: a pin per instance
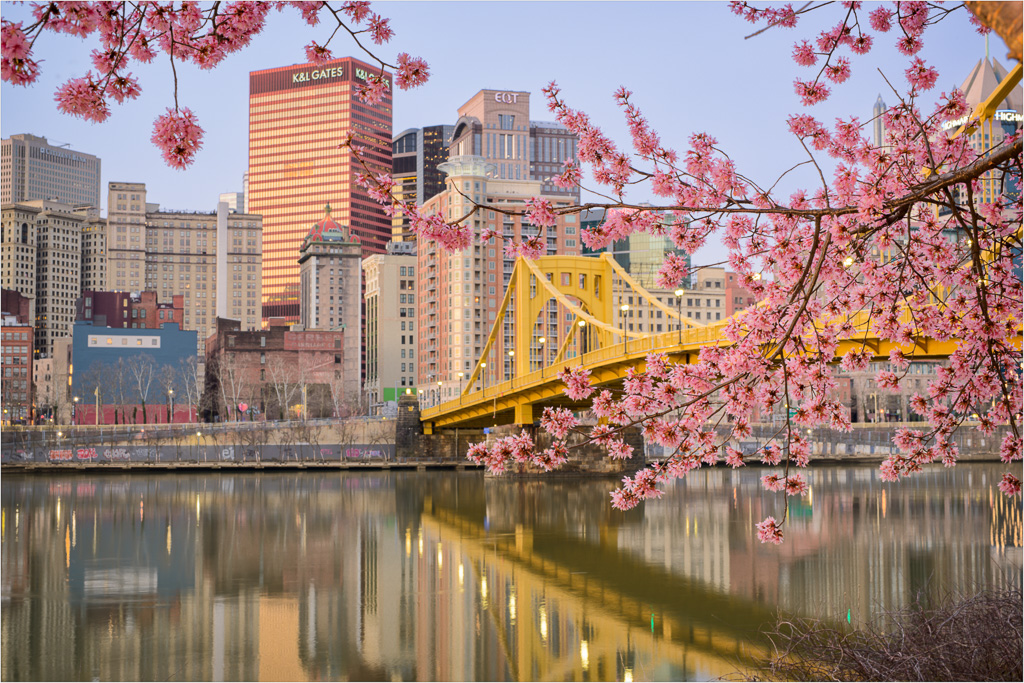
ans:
(390, 326)
(298, 115)
(331, 294)
(42, 243)
(32, 168)
(212, 259)
(416, 155)
(459, 294)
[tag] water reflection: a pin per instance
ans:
(449, 576)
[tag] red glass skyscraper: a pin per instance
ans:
(297, 117)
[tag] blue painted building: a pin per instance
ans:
(133, 375)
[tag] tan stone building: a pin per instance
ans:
(42, 242)
(390, 303)
(330, 280)
(212, 259)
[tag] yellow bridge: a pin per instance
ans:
(588, 289)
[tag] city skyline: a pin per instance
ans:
(758, 92)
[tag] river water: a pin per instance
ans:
(451, 576)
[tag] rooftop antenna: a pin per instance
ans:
(986, 47)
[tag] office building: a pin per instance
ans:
(234, 200)
(32, 168)
(42, 242)
(297, 117)
(390, 326)
(416, 155)
(330, 296)
(212, 259)
(979, 85)
(94, 250)
(878, 122)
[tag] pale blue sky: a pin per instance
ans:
(687, 63)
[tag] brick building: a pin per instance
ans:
(17, 352)
(274, 373)
(135, 310)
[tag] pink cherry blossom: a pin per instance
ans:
(1010, 485)
(769, 531)
(804, 54)
(318, 54)
(811, 93)
(577, 382)
(178, 136)
(412, 72)
(380, 30)
(540, 213)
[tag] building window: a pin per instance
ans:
(337, 358)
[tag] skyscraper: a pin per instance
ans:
(878, 122)
(298, 115)
(32, 168)
(417, 153)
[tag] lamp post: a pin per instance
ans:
(74, 412)
(511, 364)
(483, 376)
(96, 393)
(543, 356)
(438, 401)
(460, 386)
(170, 392)
(582, 324)
(625, 337)
(679, 313)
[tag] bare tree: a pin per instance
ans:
(168, 378)
(231, 377)
(141, 370)
(191, 381)
(284, 381)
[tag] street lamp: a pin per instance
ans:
(511, 364)
(460, 386)
(483, 376)
(74, 412)
(170, 392)
(582, 340)
(679, 313)
(439, 383)
(543, 358)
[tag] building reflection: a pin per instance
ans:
(423, 576)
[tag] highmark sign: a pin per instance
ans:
(1003, 115)
(316, 75)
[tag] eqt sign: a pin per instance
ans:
(506, 97)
